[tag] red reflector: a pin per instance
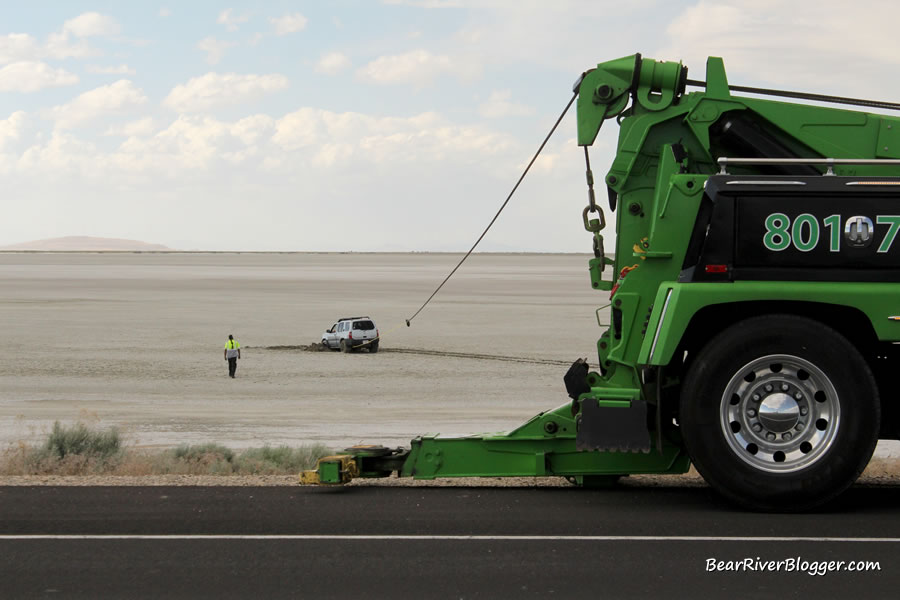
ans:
(716, 268)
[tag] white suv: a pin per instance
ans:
(350, 333)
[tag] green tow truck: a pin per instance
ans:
(755, 300)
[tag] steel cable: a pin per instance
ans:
(505, 202)
(804, 96)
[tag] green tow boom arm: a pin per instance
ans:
(622, 418)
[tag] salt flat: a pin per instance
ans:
(135, 340)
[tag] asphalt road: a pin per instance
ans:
(429, 542)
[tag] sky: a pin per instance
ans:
(393, 125)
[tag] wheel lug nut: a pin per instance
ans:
(757, 427)
(756, 397)
(770, 436)
(803, 411)
(798, 396)
(751, 413)
(768, 387)
(800, 426)
(784, 387)
(787, 436)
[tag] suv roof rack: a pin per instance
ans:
(351, 318)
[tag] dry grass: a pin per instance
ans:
(81, 450)
(85, 452)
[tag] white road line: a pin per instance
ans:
(565, 538)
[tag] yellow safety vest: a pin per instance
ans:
(232, 345)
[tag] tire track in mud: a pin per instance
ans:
(426, 352)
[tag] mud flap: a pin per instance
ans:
(576, 382)
(613, 426)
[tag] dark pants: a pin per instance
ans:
(232, 366)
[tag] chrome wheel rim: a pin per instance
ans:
(780, 413)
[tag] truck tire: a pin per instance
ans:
(779, 412)
(345, 347)
(373, 347)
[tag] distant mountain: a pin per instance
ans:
(82, 243)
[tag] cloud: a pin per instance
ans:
(332, 63)
(23, 47)
(306, 138)
(190, 143)
(291, 23)
(231, 21)
(250, 130)
(60, 45)
(91, 24)
(214, 89)
(778, 44)
(298, 129)
(416, 67)
(189, 146)
(110, 70)
(534, 36)
(426, 3)
(165, 12)
(195, 139)
(18, 46)
(140, 128)
(31, 76)
(498, 105)
(215, 49)
(292, 166)
(62, 152)
(381, 140)
(115, 98)
(11, 129)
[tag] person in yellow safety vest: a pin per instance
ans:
(232, 354)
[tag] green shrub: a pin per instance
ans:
(280, 459)
(80, 450)
(199, 459)
(79, 440)
(199, 452)
(68, 450)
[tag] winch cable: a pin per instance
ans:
(505, 202)
(804, 96)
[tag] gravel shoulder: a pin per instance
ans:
(881, 472)
(289, 480)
